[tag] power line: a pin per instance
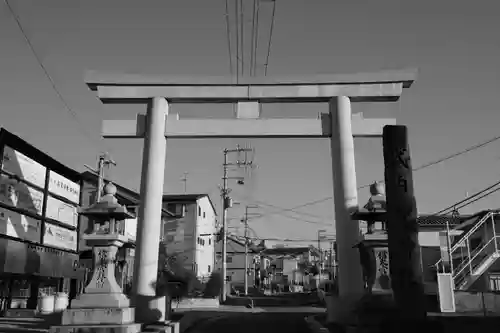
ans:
(71, 112)
(270, 38)
(228, 32)
(478, 198)
(242, 37)
(453, 207)
(421, 167)
(236, 13)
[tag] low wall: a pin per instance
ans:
(193, 303)
(477, 302)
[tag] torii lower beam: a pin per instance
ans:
(176, 128)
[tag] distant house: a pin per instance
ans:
(189, 235)
(286, 262)
(235, 269)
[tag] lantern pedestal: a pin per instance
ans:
(103, 291)
(103, 307)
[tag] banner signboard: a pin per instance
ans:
(19, 226)
(61, 212)
(64, 187)
(20, 165)
(20, 195)
(60, 237)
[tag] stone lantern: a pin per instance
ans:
(374, 241)
(103, 304)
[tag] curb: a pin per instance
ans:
(199, 322)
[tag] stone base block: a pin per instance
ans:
(167, 327)
(129, 328)
(117, 316)
(104, 300)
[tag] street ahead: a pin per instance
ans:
(259, 322)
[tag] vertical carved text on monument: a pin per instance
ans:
(404, 157)
(102, 264)
(383, 262)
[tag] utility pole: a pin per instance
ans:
(320, 255)
(185, 179)
(103, 161)
(247, 270)
(227, 203)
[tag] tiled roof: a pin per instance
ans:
(189, 197)
(288, 250)
(440, 220)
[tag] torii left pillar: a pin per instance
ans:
(148, 307)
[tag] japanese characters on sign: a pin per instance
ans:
(64, 187)
(60, 237)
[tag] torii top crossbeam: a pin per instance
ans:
(384, 86)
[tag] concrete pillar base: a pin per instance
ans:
(150, 309)
(341, 309)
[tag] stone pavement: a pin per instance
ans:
(23, 325)
(261, 322)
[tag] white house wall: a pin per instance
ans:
(205, 230)
(178, 235)
(236, 265)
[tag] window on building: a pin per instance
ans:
(199, 211)
(210, 241)
(209, 268)
(179, 210)
(228, 277)
(494, 282)
(229, 260)
(204, 215)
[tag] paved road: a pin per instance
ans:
(263, 322)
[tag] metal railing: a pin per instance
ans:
(473, 258)
(481, 255)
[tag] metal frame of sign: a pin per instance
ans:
(17, 144)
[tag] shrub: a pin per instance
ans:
(213, 287)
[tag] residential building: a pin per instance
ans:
(126, 254)
(235, 260)
(39, 200)
(190, 234)
(289, 265)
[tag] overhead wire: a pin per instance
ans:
(228, 32)
(238, 51)
(421, 167)
(467, 200)
(68, 109)
(271, 29)
(242, 37)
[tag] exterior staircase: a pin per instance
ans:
(472, 254)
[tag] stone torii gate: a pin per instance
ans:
(339, 125)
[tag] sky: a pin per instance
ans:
(451, 106)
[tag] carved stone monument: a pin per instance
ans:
(103, 307)
(375, 239)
